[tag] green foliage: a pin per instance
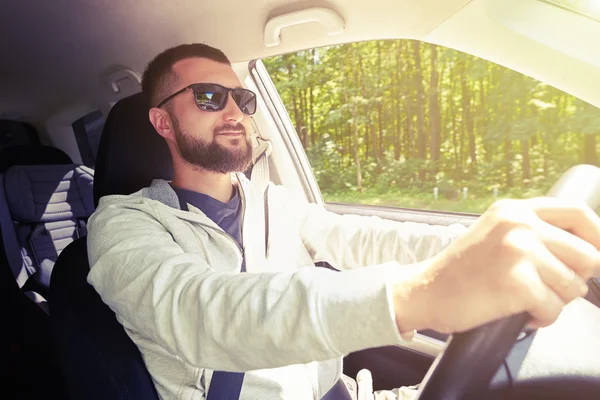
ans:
(418, 116)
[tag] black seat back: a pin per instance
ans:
(130, 154)
(34, 154)
(97, 357)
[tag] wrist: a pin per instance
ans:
(409, 296)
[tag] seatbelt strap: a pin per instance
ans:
(344, 389)
(260, 178)
(9, 239)
(260, 171)
(224, 385)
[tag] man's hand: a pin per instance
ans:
(521, 255)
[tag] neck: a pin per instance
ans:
(213, 184)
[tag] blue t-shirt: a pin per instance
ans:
(227, 215)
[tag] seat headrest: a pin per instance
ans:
(34, 154)
(46, 193)
(131, 153)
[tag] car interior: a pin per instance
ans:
(74, 127)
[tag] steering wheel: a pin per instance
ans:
(465, 368)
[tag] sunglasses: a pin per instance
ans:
(213, 97)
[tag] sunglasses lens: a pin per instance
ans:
(213, 97)
(210, 100)
(246, 100)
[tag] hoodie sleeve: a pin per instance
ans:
(231, 321)
(350, 241)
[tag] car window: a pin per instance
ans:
(409, 124)
(88, 131)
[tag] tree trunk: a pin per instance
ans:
(293, 92)
(454, 127)
(397, 109)
(467, 117)
(356, 149)
(303, 133)
(380, 147)
(526, 159)
(525, 145)
(508, 157)
(484, 123)
(420, 104)
(435, 117)
(312, 115)
(374, 144)
(355, 131)
(589, 149)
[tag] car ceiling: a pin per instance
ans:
(56, 53)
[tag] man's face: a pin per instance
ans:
(211, 140)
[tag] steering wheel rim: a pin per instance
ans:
(469, 362)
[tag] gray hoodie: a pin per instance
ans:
(173, 279)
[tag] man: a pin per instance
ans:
(198, 291)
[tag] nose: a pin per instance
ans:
(231, 112)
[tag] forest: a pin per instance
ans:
(391, 122)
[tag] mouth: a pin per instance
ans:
(232, 134)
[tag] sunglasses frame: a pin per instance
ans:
(226, 89)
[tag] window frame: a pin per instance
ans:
(87, 153)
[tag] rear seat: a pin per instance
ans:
(49, 206)
(43, 209)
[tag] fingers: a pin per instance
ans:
(365, 385)
(547, 311)
(545, 304)
(560, 258)
(579, 219)
(575, 252)
(581, 222)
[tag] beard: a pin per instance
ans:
(212, 156)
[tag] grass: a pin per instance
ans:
(424, 200)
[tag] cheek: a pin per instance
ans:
(202, 125)
(197, 122)
(247, 122)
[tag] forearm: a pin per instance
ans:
(352, 241)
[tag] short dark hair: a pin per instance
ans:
(159, 78)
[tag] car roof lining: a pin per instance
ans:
(40, 38)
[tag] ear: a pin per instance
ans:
(161, 120)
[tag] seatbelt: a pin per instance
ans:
(260, 160)
(9, 238)
(260, 178)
